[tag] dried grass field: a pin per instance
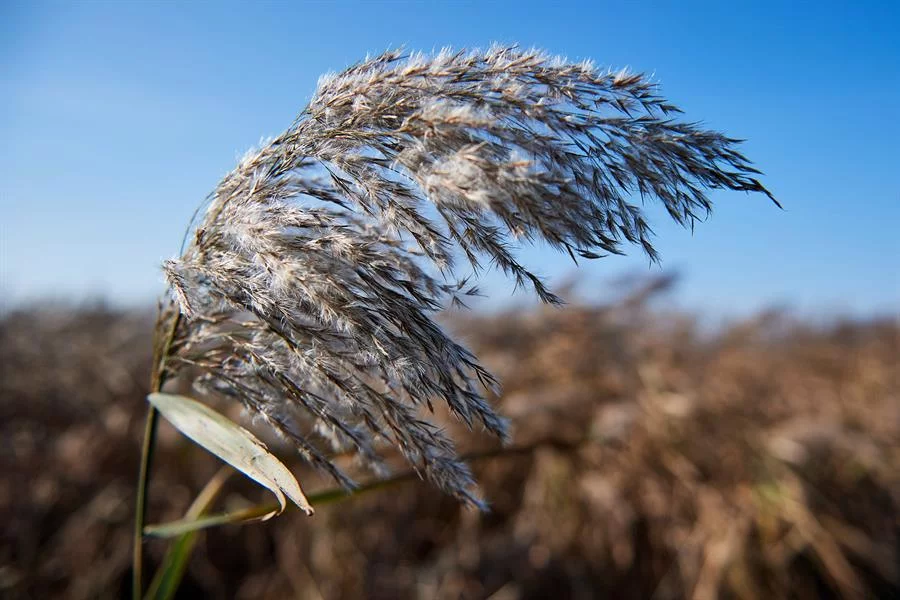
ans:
(651, 459)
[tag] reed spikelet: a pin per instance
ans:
(309, 287)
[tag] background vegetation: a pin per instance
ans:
(658, 460)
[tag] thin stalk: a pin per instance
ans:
(170, 573)
(259, 511)
(158, 378)
(140, 511)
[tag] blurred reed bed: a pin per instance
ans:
(657, 460)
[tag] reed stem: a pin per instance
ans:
(158, 379)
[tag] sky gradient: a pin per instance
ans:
(116, 119)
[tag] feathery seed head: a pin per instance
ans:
(311, 283)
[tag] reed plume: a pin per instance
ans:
(309, 287)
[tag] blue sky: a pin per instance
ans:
(116, 119)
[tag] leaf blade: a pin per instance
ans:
(234, 445)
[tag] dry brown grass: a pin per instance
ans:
(762, 461)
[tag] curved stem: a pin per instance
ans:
(260, 511)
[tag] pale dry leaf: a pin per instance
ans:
(233, 444)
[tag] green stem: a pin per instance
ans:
(259, 511)
(140, 510)
(170, 573)
(158, 378)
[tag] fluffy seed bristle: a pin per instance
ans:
(311, 283)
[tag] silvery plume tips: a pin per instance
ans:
(310, 285)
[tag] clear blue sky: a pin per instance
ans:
(117, 118)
